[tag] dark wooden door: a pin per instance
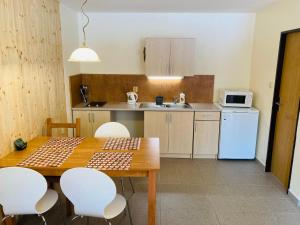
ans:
(288, 110)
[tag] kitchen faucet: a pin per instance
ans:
(176, 99)
(179, 99)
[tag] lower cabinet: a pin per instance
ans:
(91, 120)
(206, 134)
(174, 129)
(181, 134)
(156, 125)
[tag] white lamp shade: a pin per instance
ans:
(84, 54)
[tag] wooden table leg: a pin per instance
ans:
(8, 221)
(151, 197)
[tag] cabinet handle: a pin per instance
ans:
(89, 117)
(145, 54)
(93, 117)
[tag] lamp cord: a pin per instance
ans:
(86, 24)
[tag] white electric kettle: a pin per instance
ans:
(132, 97)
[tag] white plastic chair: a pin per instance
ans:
(24, 191)
(112, 129)
(92, 193)
(116, 130)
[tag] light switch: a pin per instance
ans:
(135, 89)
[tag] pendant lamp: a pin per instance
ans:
(84, 53)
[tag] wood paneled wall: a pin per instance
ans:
(113, 88)
(31, 69)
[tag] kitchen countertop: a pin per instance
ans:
(124, 106)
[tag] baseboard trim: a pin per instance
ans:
(205, 156)
(261, 164)
(172, 155)
(294, 198)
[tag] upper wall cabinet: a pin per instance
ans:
(182, 57)
(170, 56)
(157, 56)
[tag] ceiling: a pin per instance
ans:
(170, 5)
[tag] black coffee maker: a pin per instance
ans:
(84, 92)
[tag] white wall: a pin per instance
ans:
(279, 17)
(224, 42)
(69, 26)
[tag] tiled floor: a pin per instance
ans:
(204, 192)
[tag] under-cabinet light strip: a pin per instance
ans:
(165, 77)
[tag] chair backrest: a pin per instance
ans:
(20, 190)
(51, 125)
(112, 129)
(90, 191)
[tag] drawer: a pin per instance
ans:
(207, 115)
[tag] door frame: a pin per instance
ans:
(276, 99)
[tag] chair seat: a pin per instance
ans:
(115, 207)
(47, 202)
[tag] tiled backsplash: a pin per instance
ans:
(113, 88)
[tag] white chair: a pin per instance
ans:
(92, 193)
(114, 129)
(24, 191)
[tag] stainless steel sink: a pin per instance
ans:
(150, 105)
(95, 104)
(178, 106)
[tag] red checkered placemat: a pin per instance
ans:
(53, 153)
(111, 160)
(122, 144)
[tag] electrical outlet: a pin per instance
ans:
(135, 89)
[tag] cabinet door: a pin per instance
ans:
(181, 132)
(85, 122)
(182, 58)
(156, 125)
(99, 118)
(157, 55)
(206, 137)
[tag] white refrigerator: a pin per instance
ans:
(238, 133)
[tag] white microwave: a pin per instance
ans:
(236, 98)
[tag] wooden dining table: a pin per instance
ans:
(145, 163)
